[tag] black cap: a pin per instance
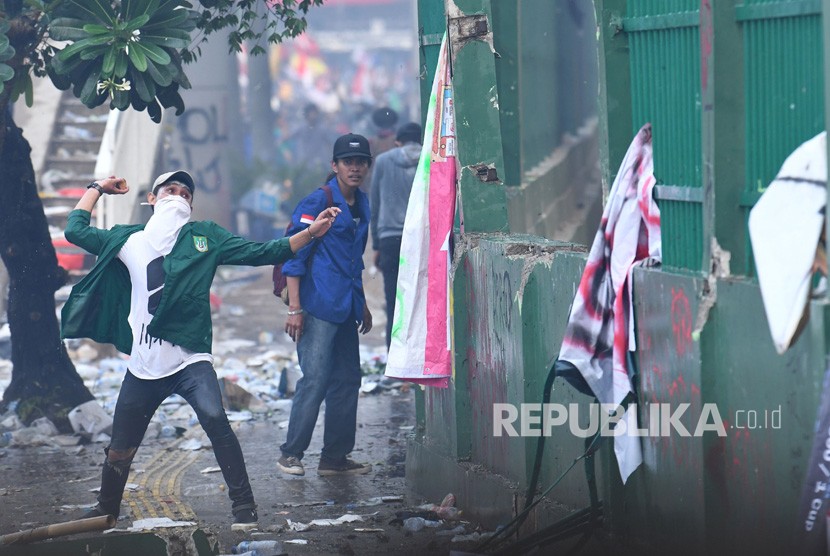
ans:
(349, 145)
(410, 132)
(385, 118)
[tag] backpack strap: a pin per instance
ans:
(327, 190)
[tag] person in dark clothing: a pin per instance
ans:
(391, 183)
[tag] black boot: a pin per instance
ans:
(113, 480)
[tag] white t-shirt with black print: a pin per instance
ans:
(143, 254)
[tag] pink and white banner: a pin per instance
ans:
(421, 345)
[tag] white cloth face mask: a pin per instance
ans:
(169, 215)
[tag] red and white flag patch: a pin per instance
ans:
(306, 219)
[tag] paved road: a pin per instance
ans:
(48, 484)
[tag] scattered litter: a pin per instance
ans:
(300, 527)
(446, 509)
(260, 548)
(238, 416)
(236, 398)
(66, 440)
(375, 501)
(362, 530)
(317, 503)
(346, 518)
(297, 526)
(211, 470)
(158, 523)
(281, 405)
(459, 530)
(472, 537)
(369, 387)
(75, 506)
(89, 420)
(296, 541)
(11, 423)
(414, 524)
(192, 444)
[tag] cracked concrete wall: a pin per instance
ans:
(513, 294)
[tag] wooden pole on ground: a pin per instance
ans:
(59, 530)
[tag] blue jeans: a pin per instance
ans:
(330, 361)
(139, 399)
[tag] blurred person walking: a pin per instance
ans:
(392, 178)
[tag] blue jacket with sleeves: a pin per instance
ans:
(334, 289)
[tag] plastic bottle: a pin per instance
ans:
(414, 524)
(260, 548)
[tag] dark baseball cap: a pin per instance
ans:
(350, 145)
(178, 175)
(409, 132)
(385, 118)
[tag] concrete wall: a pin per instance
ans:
(561, 198)
(703, 495)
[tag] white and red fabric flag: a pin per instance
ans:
(421, 345)
(600, 327)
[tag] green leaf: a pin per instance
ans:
(154, 53)
(108, 64)
(154, 110)
(138, 58)
(82, 44)
(67, 29)
(131, 9)
(136, 23)
(121, 100)
(61, 82)
(6, 53)
(88, 92)
(121, 64)
(171, 33)
(6, 72)
(97, 9)
(96, 29)
(173, 19)
(94, 52)
(28, 90)
(169, 98)
(145, 90)
(160, 75)
(167, 42)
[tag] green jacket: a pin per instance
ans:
(99, 304)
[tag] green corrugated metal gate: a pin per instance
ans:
(773, 84)
(665, 62)
(784, 87)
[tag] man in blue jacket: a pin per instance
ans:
(327, 308)
(148, 294)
